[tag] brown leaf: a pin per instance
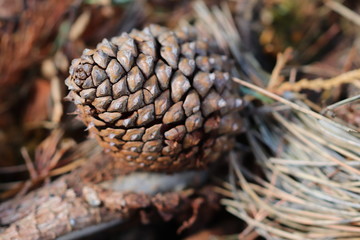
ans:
(37, 108)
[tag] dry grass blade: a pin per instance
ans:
(291, 104)
(227, 36)
(315, 194)
(310, 163)
(344, 11)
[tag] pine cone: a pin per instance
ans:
(157, 99)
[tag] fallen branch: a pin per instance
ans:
(86, 197)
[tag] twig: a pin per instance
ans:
(320, 83)
(281, 60)
(29, 164)
(291, 104)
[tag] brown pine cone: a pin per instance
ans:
(157, 99)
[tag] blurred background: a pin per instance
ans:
(302, 39)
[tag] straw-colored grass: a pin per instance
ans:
(309, 186)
